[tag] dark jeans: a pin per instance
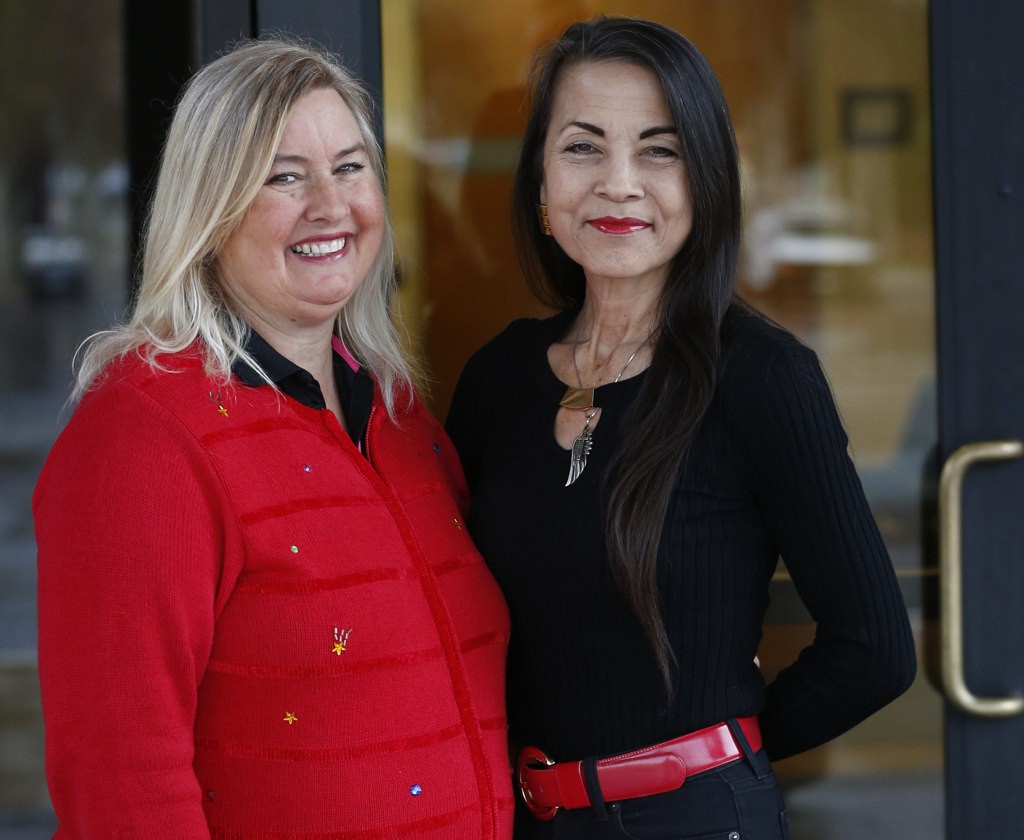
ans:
(737, 801)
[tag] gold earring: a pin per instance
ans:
(542, 214)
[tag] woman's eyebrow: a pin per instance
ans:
(358, 147)
(652, 132)
(647, 132)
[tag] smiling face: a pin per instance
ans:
(312, 233)
(614, 180)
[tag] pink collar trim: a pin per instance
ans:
(344, 352)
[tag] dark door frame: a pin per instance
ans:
(978, 134)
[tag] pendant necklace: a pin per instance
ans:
(582, 399)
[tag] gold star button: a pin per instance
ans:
(223, 411)
(338, 648)
(289, 718)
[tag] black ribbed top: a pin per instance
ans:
(768, 475)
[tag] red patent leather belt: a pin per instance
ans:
(546, 786)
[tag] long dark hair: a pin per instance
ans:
(681, 380)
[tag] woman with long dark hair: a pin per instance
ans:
(640, 461)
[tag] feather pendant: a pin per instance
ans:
(580, 450)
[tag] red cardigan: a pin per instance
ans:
(249, 630)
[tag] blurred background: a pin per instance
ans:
(63, 274)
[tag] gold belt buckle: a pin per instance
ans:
(532, 756)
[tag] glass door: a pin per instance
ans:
(831, 107)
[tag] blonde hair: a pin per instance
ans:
(226, 129)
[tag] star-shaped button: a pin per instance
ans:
(289, 718)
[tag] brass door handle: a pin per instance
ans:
(950, 577)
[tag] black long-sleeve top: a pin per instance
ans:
(768, 475)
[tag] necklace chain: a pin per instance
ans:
(629, 361)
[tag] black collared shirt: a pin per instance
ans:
(355, 387)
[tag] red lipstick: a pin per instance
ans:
(616, 226)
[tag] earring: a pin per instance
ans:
(542, 214)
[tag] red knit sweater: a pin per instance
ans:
(249, 630)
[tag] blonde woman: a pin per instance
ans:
(259, 612)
